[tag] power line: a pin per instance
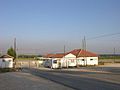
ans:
(105, 35)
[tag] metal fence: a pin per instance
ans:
(28, 64)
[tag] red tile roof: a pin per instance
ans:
(83, 53)
(49, 55)
(76, 52)
(6, 56)
(59, 55)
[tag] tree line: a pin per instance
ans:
(13, 53)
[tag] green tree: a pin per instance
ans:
(11, 52)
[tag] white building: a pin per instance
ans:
(77, 57)
(84, 57)
(69, 60)
(6, 61)
(62, 60)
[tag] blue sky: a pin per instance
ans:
(45, 26)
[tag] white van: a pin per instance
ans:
(51, 63)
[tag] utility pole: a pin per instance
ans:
(64, 50)
(64, 57)
(15, 44)
(114, 55)
(15, 52)
(84, 50)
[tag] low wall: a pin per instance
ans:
(28, 63)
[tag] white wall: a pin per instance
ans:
(6, 63)
(68, 61)
(87, 61)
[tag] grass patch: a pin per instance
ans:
(3, 70)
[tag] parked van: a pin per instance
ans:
(51, 63)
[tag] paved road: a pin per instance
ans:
(27, 81)
(80, 80)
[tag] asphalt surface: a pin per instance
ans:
(27, 81)
(80, 80)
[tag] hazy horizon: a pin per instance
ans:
(45, 26)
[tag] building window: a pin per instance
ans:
(9, 60)
(72, 60)
(3, 60)
(82, 59)
(55, 61)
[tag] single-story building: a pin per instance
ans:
(6, 61)
(77, 57)
(62, 60)
(84, 57)
(69, 60)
